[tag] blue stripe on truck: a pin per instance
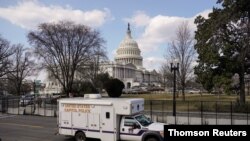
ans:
(138, 134)
(111, 132)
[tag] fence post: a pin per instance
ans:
(3, 104)
(54, 109)
(44, 108)
(7, 105)
(188, 113)
(18, 106)
(201, 112)
(162, 106)
(31, 109)
(1, 101)
(51, 107)
(13, 106)
(216, 110)
(247, 112)
(175, 112)
(150, 103)
(38, 108)
(231, 112)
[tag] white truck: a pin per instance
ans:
(107, 119)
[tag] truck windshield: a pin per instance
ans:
(144, 121)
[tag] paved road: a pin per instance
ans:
(29, 128)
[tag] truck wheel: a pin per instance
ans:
(151, 139)
(80, 136)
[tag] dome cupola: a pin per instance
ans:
(128, 51)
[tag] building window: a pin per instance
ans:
(107, 115)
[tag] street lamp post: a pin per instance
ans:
(124, 73)
(174, 68)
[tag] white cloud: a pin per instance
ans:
(139, 19)
(153, 63)
(40, 75)
(28, 14)
(114, 52)
(160, 30)
(204, 13)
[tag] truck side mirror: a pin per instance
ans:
(136, 126)
(149, 118)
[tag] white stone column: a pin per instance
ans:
(119, 72)
(125, 69)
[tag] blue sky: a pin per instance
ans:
(153, 22)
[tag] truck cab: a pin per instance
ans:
(140, 128)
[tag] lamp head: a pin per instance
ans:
(174, 65)
(176, 61)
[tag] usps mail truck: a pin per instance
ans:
(107, 119)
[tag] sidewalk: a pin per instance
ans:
(4, 115)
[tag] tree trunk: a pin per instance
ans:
(183, 90)
(19, 85)
(183, 93)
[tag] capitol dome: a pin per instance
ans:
(128, 51)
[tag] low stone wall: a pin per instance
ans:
(32, 110)
(45, 112)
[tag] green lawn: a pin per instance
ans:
(189, 97)
(210, 102)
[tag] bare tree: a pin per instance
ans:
(5, 52)
(182, 48)
(92, 69)
(64, 47)
(89, 74)
(167, 77)
(22, 66)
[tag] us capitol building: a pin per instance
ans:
(128, 65)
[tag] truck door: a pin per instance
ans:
(65, 125)
(93, 122)
(130, 129)
(79, 120)
(108, 125)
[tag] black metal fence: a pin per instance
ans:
(35, 106)
(187, 112)
(198, 112)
